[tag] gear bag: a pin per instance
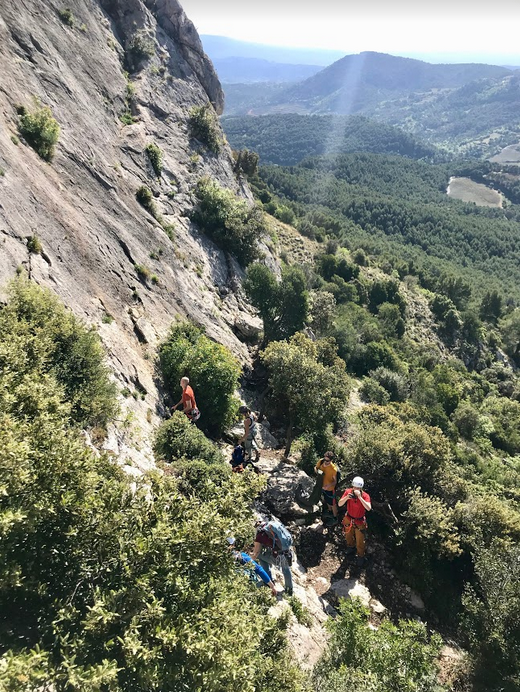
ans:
(279, 534)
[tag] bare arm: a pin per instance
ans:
(366, 505)
(257, 547)
(247, 425)
(343, 499)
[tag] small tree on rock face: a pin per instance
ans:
(233, 224)
(283, 306)
(310, 393)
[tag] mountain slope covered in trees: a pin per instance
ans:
(286, 139)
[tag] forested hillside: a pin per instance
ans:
(455, 106)
(398, 208)
(286, 139)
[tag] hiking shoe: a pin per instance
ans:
(288, 592)
(350, 551)
(360, 561)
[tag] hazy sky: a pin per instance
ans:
(458, 28)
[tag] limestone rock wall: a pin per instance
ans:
(82, 206)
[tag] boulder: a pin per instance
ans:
(247, 327)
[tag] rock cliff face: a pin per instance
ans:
(73, 58)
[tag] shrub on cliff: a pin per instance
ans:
(40, 130)
(40, 339)
(233, 224)
(204, 127)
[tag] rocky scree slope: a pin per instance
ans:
(82, 206)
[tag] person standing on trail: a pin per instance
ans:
(273, 546)
(249, 438)
(330, 480)
(189, 405)
(355, 523)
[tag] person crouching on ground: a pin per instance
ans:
(355, 522)
(189, 405)
(330, 479)
(249, 438)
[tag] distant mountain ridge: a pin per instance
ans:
(251, 70)
(219, 47)
(355, 82)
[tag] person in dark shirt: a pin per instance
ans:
(266, 555)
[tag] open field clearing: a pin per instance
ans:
(510, 154)
(469, 191)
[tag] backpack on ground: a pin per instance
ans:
(279, 534)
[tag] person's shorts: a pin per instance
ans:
(328, 496)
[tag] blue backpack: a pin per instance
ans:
(279, 534)
(237, 457)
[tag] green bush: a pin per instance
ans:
(155, 156)
(204, 127)
(139, 48)
(392, 658)
(212, 370)
(490, 619)
(66, 16)
(34, 245)
(177, 438)
(283, 306)
(40, 338)
(372, 392)
(145, 198)
(233, 224)
(40, 130)
(301, 373)
(142, 272)
(396, 385)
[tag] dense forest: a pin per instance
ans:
(287, 139)
(398, 208)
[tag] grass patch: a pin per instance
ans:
(142, 272)
(15, 140)
(300, 612)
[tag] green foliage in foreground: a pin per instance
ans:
(40, 339)
(108, 582)
(40, 130)
(393, 658)
(233, 224)
(212, 370)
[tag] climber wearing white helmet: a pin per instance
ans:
(355, 523)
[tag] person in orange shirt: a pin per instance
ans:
(189, 405)
(330, 479)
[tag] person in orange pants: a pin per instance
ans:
(354, 522)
